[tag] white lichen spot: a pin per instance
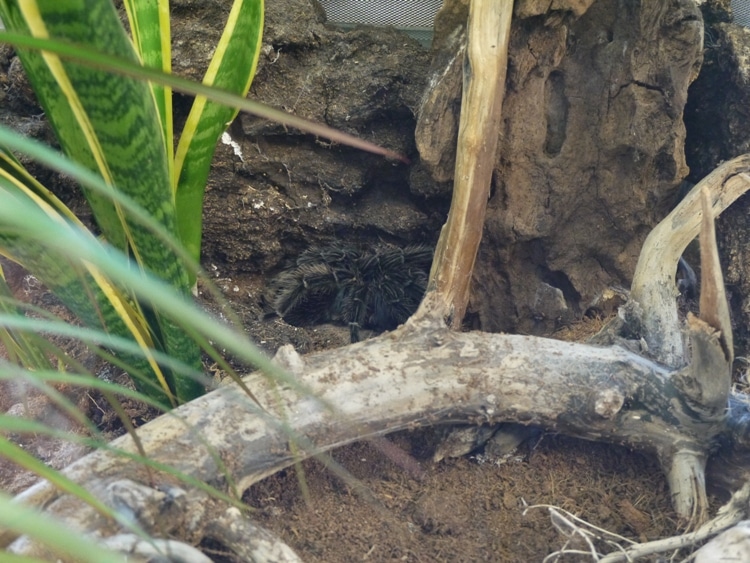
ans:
(227, 140)
(608, 403)
(468, 350)
(233, 512)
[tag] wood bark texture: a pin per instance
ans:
(653, 282)
(590, 150)
(485, 67)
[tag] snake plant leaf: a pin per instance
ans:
(232, 69)
(52, 83)
(111, 125)
(23, 347)
(15, 171)
(89, 295)
(103, 308)
(150, 29)
(107, 123)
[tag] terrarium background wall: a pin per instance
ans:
(415, 17)
(741, 12)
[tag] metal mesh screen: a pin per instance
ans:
(415, 17)
(398, 13)
(741, 11)
(419, 14)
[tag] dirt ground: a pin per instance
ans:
(465, 509)
(473, 508)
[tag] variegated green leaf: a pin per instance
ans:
(14, 171)
(107, 123)
(90, 296)
(232, 69)
(110, 124)
(150, 29)
(77, 288)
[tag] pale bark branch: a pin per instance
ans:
(714, 307)
(485, 67)
(653, 287)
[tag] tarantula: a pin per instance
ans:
(375, 288)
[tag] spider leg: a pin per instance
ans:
(354, 333)
(358, 314)
(303, 294)
(356, 309)
(364, 267)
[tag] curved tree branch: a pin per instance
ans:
(653, 287)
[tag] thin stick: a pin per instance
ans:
(485, 69)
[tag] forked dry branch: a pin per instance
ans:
(424, 374)
(653, 282)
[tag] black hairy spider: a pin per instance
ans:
(376, 288)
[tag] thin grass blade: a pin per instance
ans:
(60, 539)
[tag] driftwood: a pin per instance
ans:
(485, 69)
(421, 374)
(424, 374)
(653, 282)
